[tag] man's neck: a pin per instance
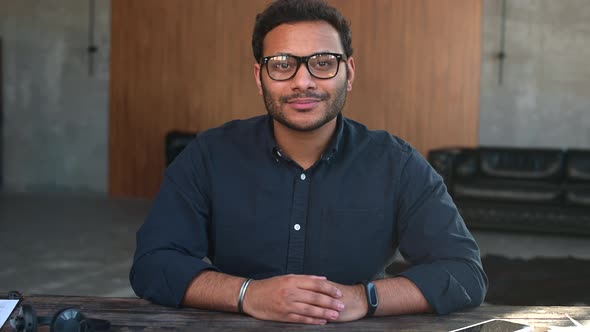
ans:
(305, 148)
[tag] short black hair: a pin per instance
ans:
(292, 11)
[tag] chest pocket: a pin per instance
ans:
(356, 244)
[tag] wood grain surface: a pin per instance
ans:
(131, 314)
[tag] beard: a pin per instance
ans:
(334, 106)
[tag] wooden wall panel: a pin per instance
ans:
(175, 64)
(188, 65)
(418, 69)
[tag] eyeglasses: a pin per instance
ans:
(319, 65)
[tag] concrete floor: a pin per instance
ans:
(83, 245)
(66, 245)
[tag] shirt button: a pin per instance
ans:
(302, 177)
(297, 227)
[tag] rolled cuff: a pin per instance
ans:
(443, 291)
(167, 285)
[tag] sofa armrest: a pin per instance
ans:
(176, 141)
(443, 162)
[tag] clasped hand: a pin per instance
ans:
(304, 299)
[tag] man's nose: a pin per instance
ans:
(303, 80)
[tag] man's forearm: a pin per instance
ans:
(398, 296)
(217, 291)
(213, 290)
(289, 298)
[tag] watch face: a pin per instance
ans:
(372, 295)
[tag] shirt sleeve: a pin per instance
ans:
(173, 240)
(444, 257)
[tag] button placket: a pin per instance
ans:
(296, 251)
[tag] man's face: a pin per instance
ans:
(304, 103)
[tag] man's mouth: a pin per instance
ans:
(303, 103)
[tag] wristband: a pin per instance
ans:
(372, 299)
(242, 295)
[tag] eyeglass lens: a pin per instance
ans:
(283, 67)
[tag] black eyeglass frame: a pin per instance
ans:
(300, 60)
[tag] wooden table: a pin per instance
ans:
(131, 314)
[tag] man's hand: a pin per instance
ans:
(296, 299)
(355, 302)
(303, 299)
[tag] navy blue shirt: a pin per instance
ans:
(233, 197)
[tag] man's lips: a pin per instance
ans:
(303, 103)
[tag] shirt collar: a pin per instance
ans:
(336, 139)
(335, 142)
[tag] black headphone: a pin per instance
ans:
(65, 320)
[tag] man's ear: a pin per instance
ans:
(257, 77)
(350, 78)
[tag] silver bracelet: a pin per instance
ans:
(242, 295)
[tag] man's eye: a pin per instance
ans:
(323, 64)
(282, 66)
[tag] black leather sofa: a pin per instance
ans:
(176, 141)
(519, 189)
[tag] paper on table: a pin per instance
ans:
(6, 308)
(578, 327)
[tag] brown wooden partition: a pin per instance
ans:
(188, 65)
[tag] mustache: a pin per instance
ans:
(320, 96)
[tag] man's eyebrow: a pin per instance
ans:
(291, 54)
(278, 54)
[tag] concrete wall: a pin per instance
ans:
(544, 99)
(55, 133)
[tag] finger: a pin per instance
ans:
(295, 318)
(322, 286)
(318, 300)
(307, 310)
(318, 277)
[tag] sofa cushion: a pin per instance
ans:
(514, 191)
(578, 195)
(443, 161)
(466, 164)
(578, 165)
(514, 163)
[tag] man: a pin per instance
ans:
(300, 211)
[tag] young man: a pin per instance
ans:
(301, 210)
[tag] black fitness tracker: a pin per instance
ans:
(372, 299)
